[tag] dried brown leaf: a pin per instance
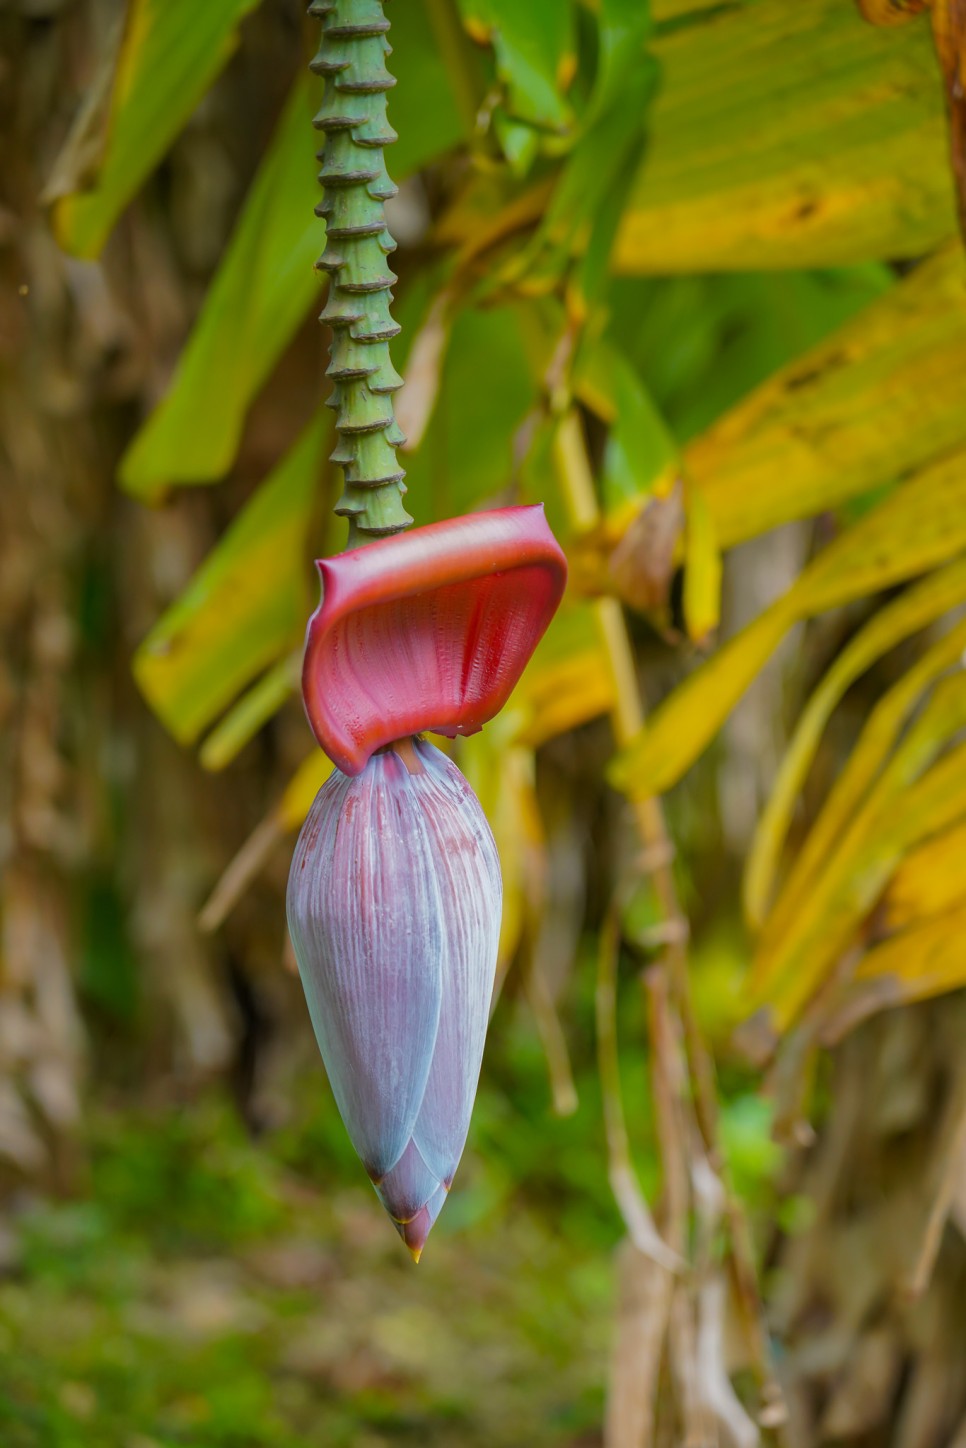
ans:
(891, 12)
(642, 565)
(642, 1315)
(949, 32)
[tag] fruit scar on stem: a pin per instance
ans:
(351, 59)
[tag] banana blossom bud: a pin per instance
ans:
(395, 896)
(394, 908)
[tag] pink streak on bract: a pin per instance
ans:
(428, 630)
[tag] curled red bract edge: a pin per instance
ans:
(428, 630)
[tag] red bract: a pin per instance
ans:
(428, 630)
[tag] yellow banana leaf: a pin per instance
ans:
(864, 765)
(929, 881)
(913, 799)
(301, 790)
(568, 681)
(915, 965)
(681, 729)
(882, 395)
(907, 615)
(254, 708)
(790, 134)
(244, 607)
(920, 525)
(702, 566)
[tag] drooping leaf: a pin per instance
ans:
(640, 454)
(909, 614)
(535, 56)
(818, 422)
(864, 765)
(301, 790)
(245, 606)
(170, 53)
(931, 805)
(266, 282)
(623, 28)
(916, 965)
(766, 321)
(581, 220)
(702, 343)
(487, 386)
(790, 135)
(683, 727)
(702, 567)
(913, 798)
(919, 526)
(260, 294)
(929, 881)
(254, 708)
(567, 682)
(590, 199)
(423, 106)
(884, 394)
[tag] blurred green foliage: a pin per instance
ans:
(209, 1290)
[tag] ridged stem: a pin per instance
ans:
(352, 117)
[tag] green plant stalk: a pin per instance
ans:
(351, 58)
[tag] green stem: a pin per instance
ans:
(351, 57)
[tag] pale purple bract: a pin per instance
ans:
(394, 905)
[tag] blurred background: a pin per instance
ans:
(690, 274)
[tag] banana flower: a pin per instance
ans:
(395, 896)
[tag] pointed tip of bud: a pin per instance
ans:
(416, 1231)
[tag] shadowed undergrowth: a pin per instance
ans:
(264, 1305)
(205, 1289)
